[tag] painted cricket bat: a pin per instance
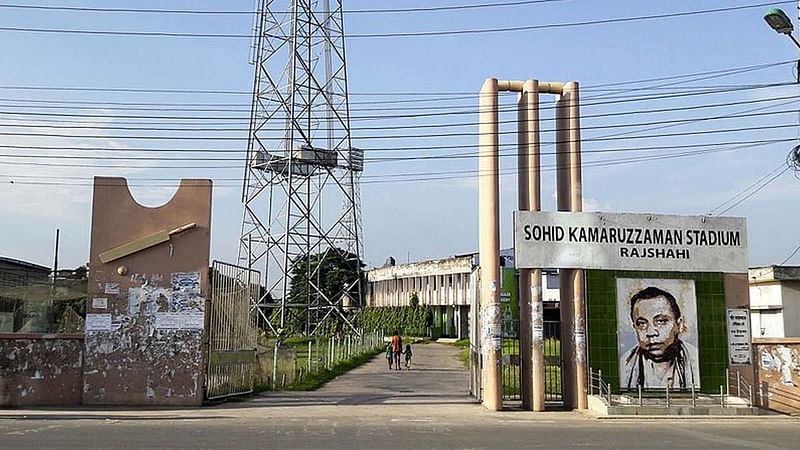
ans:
(141, 243)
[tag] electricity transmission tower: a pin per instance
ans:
(301, 180)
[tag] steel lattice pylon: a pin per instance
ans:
(301, 180)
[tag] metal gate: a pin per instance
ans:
(232, 330)
(512, 375)
(552, 361)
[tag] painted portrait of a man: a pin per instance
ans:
(657, 330)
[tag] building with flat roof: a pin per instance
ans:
(15, 275)
(449, 286)
(775, 301)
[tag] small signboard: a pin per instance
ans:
(739, 350)
(626, 241)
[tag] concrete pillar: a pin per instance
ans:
(531, 311)
(566, 276)
(489, 245)
(570, 95)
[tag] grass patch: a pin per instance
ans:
(315, 380)
(463, 354)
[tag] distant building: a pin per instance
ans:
(15, 275)
(775, 301)
(449, 286)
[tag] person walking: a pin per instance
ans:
(389, 355)
(397, 349)
(408, 356)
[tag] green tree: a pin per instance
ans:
(331, 276)
(414, 300)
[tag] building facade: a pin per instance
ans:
(15, 277)
(449, 286)
(775, 301)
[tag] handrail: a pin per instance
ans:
(743, 388)
(599, 387)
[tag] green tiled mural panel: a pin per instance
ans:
(602, 323)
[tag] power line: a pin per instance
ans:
(671, 122)
(563, 24)
(170, 34)
(242, 107)
(512, 108)
(472, 155)
(251, 12)
(790, 256)
(447, 95)
(432, 176)
(747, 113)
(745, 190)
(233, 138)
(754, 192)
(173, 120)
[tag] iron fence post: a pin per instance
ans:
(727, 382)
(591, 381)
(308, 363)
(639, 388)
(722, 396)
(738, 384)
(694, 399)
(275, 364)
(667, 395)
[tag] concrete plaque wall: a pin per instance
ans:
(148, 280)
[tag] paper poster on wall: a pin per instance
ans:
(657, 333)
(179, 321)
(192, 321)
(100, 303)
(168, 321)
(98, 322)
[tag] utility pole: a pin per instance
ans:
(55, 257)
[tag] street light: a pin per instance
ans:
(780, 22)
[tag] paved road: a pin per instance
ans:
(373, 408)
(436, 376)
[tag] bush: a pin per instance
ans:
(404, 319)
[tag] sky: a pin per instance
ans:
(681, 115)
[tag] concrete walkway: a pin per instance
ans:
(436, 377)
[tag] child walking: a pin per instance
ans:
(389, 355)
(408, 355)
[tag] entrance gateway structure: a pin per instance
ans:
(654, 302)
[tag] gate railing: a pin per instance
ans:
(281, 364)
(552, 361)
(511, 360)
(232, 330)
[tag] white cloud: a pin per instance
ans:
(49, 186)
